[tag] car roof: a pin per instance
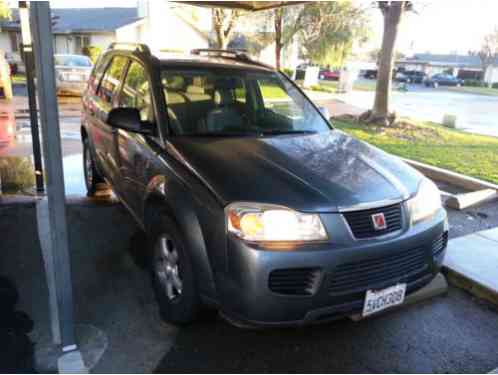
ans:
(206, 61)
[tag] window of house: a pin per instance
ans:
(136, 92)
(80, 42)
(112, 78)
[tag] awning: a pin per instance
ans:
(252, 6)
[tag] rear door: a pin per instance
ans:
(106, 99)
(136, 153)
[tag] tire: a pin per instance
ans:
(172, 274)
(92, 176)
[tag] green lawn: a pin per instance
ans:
(474, 90)
(358, 86)
(470, 154)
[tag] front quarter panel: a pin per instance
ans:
(199, 215)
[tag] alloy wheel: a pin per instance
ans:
(167, 267)
(88, 167)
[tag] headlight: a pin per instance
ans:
(262, 223)
(426, 203)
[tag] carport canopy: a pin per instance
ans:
(251, 6)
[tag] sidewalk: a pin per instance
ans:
(68, 106)
(472, 263)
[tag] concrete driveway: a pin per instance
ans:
(476, 113)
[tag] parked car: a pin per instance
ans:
(370, 73)
(331, 75)
(72, 73)
(253, 202)
(411, 76)
(443, 80)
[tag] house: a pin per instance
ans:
(168, 26)
(462, 66)
(73, 29)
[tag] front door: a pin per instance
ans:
(135, 152)
(103, 134)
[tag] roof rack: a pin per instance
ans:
(138, 47)
(235, 54)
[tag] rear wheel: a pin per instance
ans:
(172, 274)
(92, 176)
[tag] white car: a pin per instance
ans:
(72, 73)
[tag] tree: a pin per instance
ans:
(223, 24)
(392, 12)
(489, 53)
(329, 29)
(4, 10)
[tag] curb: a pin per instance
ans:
(470, 285)
(454, 178)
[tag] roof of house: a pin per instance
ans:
(71, 20)
(449, 60)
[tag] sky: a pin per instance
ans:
(439, 26)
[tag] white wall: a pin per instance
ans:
(102, 40)
(491, 75)
(5, 42)
(161, 29)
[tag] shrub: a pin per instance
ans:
(93, 52)
(495, 85)
(473, 83)
(288, 72)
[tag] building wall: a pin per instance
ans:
(491, 75)
(65, 43)
(161, 29)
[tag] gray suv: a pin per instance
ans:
(253, 203)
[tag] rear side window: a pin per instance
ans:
(97, 73)
(111, 79)
(136, 92)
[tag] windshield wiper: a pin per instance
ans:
(285, 132)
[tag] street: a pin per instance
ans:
(476, 113)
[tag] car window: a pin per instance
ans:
(228, 102)
(136, 92)
(74, 61)
(111, 80)
(97, 73)
(277, 100)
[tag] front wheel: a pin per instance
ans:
(92, 176)
(172, 274)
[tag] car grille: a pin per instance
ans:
(440, 244)
(294, 281)
(378, 272)
(361, 223)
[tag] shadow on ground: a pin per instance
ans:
(447, 334)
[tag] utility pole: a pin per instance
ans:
(27, 50)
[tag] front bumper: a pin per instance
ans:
(339, 274)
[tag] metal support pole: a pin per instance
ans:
(27, 50)
(41, 26)
(33, 116)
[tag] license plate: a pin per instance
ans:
(74, 77)
(379, 300)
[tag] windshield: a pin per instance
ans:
(73, 61)
(235, 103)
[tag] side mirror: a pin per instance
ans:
(325, 112)
(129, 119)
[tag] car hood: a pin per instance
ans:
(323, 172)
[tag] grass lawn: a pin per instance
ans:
(358, 86)
(474, 90)
(469, 154)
